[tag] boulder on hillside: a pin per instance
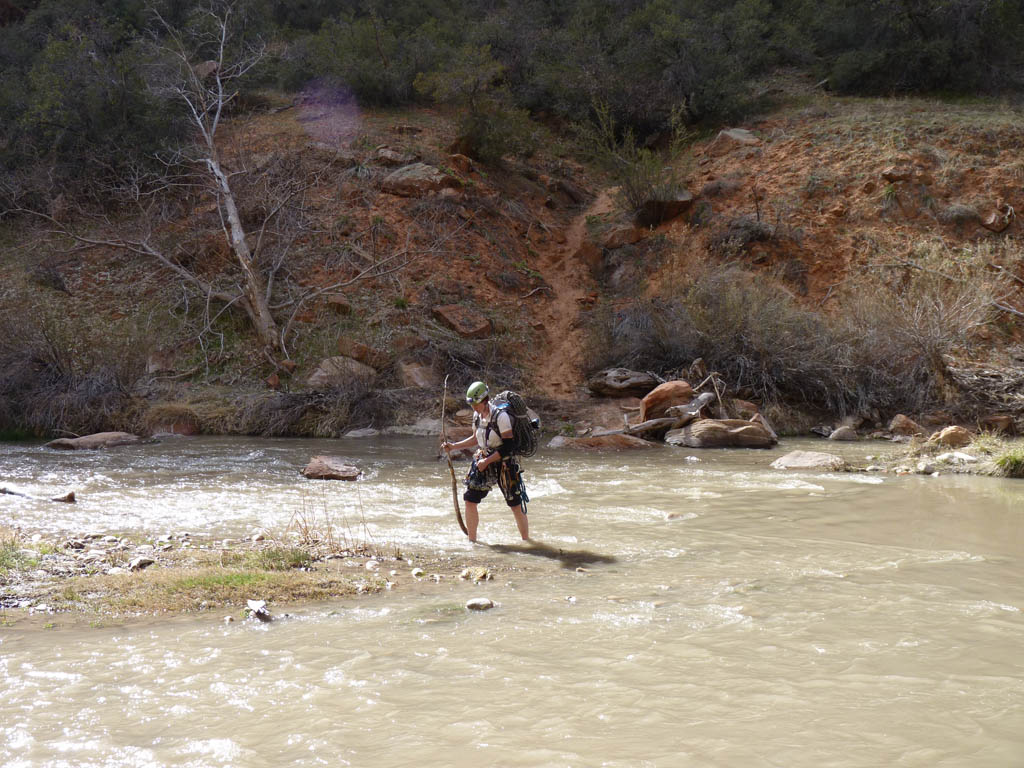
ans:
(656, 403)
(611, 442)
(730, 139)
(999, 219)
(413, 374)
(364, 354)
(464, 321)
(336, 371)
(97, 441)
(590, 254)
(656, 211)
(1003, 423)
(904, 425)
(810, 460)
(393, 158)
(339, 304)
(622, 382)
(721, 433)
(620, 236)
(417, 180)
(331, 468)
(952, 437)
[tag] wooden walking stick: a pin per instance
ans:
(455, 485)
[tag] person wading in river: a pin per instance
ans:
(493, 462)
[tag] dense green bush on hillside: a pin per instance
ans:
(75, 82)
(885, 46)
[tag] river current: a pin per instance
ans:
(686, 608)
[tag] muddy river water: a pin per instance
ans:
(728, 614)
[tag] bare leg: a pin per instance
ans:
(521, 521)
(472, 518)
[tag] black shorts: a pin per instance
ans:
(475, 496)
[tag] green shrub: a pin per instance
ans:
(1011, 461)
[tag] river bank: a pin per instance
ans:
(117, 569)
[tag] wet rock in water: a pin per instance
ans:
(258, 609)
(477, 573)
(844, 433)
(364, 432)
(905, 426)
(425, 426)
(94, 442)
(952, 437)
(722, 433)
(372, 565)
(479, 604)
(810, 460)
(956, 457)
(140, 562)
(417, 573)
(925, 468)
(600, 442)
(331, 468)
(622, 382)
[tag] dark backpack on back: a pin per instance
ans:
(525, 423)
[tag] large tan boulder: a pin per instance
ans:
(331, 468)
(94, 442)
(721, 433)
(732, 138)
(952, 437)
(600, 442)
(656, 403)
(338, 371)
(364, 354)
(844, 433)
(810, 460)
(464, 321)
(1003, 423)
(413, 374)
(417, 180)
(904, 425)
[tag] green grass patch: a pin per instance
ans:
(1011, 462)
(279, 559)
(12, 558)
(217, 581)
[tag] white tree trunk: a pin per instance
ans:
(256, 300)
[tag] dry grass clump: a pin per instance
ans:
(61, 374)
(886, 349)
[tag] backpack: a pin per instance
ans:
(525, 423)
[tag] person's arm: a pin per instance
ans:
(471, 440)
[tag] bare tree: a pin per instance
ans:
(207, 88)
(256, 208)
